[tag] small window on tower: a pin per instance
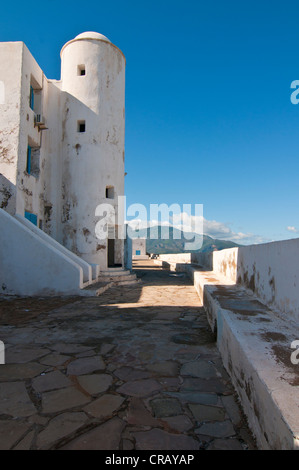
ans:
(109, 192)
(81, 70)
(81, 126)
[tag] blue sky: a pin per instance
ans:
(209, 118)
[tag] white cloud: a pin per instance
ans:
(292, 229)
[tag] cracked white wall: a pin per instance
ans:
(71, 170)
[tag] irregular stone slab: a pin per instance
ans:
(168, 315)
(95, 383)
(104, 406)
(139, 415)
(10, 432)
(140, 388)
(232, 409)
(50, 381)
(170, 382)
(163, 407)
(89, 353)
(195, 397)
(9, 372)
(106, 348)
(164, 368)
(63, 399)
(55, 360)
(204, 385)
(203, 337)
(104, 437)
(70, 348)
(14, 400)
(26, 443)
(225, 444)
(207, 413)
(156, 439)
(180, 423)
(199, 368)
(60, 427)
(127, 444)
(217, 429)
(128, 374)
(85, 365)
(21, 355)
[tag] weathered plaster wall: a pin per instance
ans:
(270, 270)
(94, 159)
(28, 185)
(139, 244)
(10, 107)
(71, 170)
(51, 165)
(19, 191)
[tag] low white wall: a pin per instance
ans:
(203, 259)
(30, 266)
(270, 270)
(176, 258)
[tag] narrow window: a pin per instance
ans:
(28, 163)
(81, 70)
(81, 126)
(109, 192)
(31, 97)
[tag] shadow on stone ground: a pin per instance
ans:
(136, 368)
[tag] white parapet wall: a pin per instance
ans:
(251, 298)
(29, 265)
(176, 258)
(270, 270)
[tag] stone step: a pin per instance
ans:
(95, 289)
(115, 278)
(106, 282)
(114, 272)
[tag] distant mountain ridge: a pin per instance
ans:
(176, 241)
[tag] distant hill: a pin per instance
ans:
(176, 242)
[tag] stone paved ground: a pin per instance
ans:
(136, 368)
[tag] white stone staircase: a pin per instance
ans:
(112, 277)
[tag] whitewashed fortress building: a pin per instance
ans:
(61, 155)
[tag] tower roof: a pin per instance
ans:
(92, 35)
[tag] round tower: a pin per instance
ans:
(93, 123)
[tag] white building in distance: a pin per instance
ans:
(62, 151)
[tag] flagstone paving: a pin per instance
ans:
(136, 368)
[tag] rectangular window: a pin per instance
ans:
(28, 163)
(81, 126)
(31, 97)
(109, 192)
(81, 70)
